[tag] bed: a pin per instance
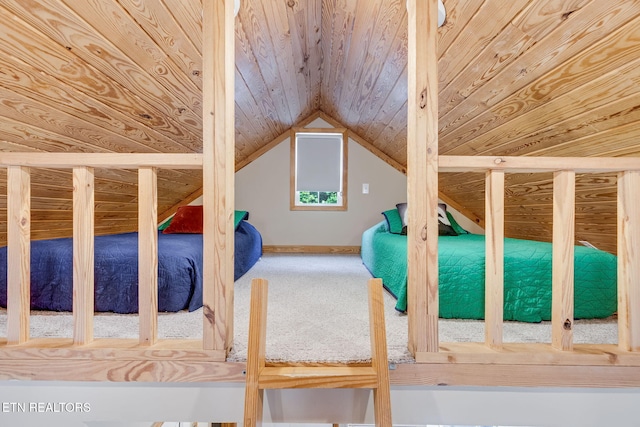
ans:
(527, 275)
(116, 267)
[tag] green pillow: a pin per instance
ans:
(454, 224)
(165, 224)
(394, 221)
(239, 216)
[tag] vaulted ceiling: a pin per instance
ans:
(516, 77)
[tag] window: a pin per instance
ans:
(318, 169)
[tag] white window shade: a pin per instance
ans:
(319, 162)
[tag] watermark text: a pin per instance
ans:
(45, 407)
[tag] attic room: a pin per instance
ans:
(531, 136)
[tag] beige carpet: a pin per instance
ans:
(317, 311)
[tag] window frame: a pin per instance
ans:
(344, 176)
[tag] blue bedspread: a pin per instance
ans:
(116, 270)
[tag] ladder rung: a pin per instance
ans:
(260, 377)
(317, 377)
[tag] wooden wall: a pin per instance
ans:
(515, 77)
(528, 199)
(535, 78)
(115, 200)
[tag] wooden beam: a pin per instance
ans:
(494, 263)
(628, 261)
(218, 173)
(122, 371)
(148, 255)
(310, 249)
(488, 375)
(523, 164)
(124, 349)
(83, 237)
(103, 160)
(18, 253)
(422, 176)
(564, 192)
(457, 364)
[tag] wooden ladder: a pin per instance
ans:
(260, 377)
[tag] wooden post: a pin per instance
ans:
(218, 173)
(629, 261)
(18, 253)
(564, 194)
(253, 397)
(494, 263)
(379, 359)
(83, 237)
(148, 255)
(422, 176)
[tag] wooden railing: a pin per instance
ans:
(564, 170)
(150, 359)
(18, 235)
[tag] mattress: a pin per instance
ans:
(527, 276)
(116, 270)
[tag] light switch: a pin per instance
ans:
(365, 188)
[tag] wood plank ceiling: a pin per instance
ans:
(517, 77)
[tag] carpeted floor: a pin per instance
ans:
(317, 311)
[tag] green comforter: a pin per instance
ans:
(527, 276)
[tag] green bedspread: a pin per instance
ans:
(527, 276)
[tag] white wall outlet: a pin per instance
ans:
(365, 188)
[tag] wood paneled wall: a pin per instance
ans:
(515, 77)
(542, 78)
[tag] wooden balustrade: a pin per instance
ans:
(187, 355)
(494, 263)
(148, 254)
(629, 260)
(18, 253)
(83, 239)
(564, 170)
(19, 166)
(564, 191)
